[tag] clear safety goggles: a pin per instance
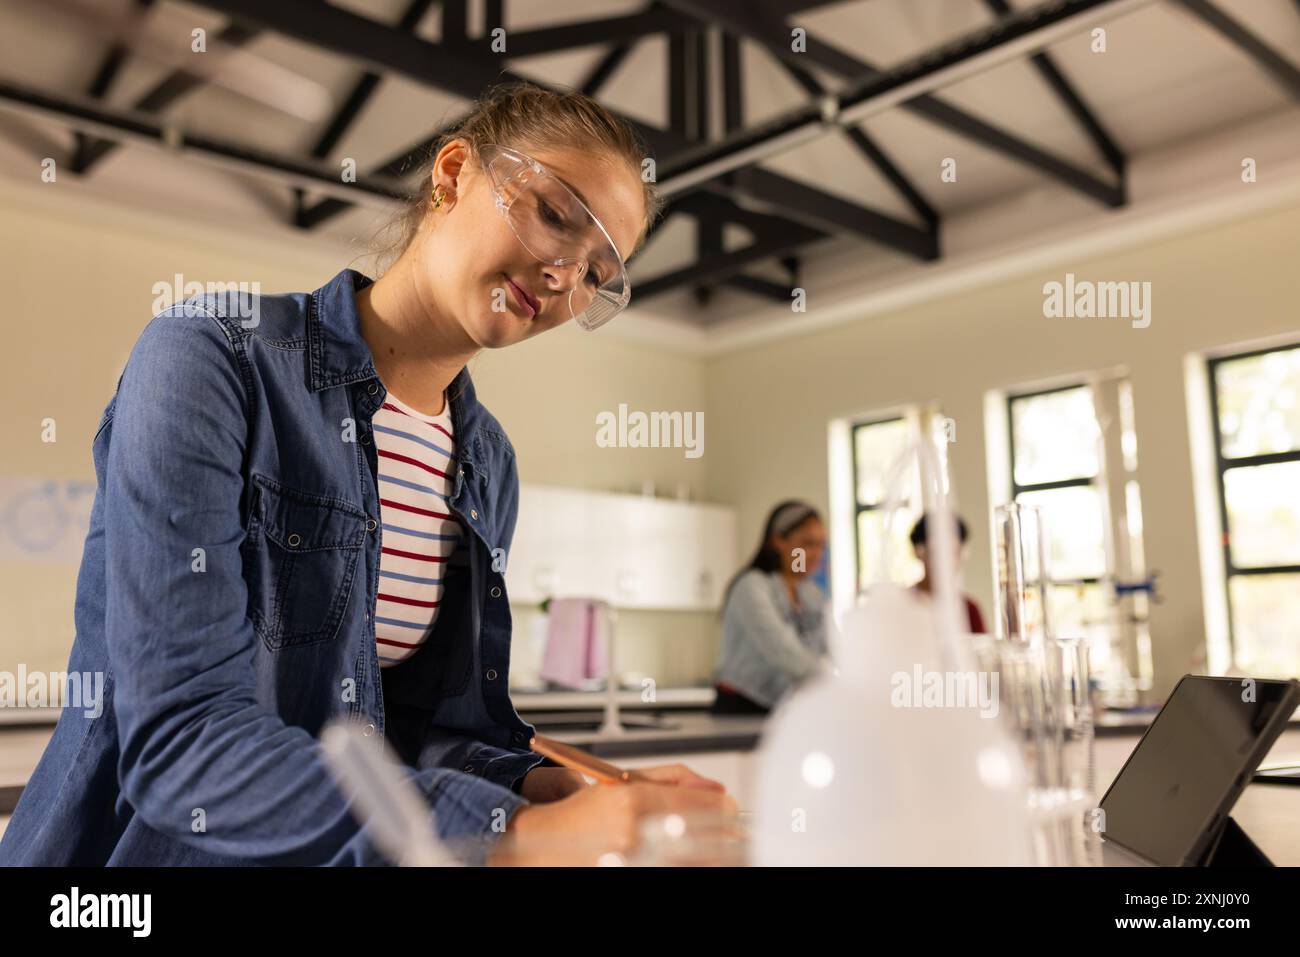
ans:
(558, 229)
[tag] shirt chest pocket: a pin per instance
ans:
(300, 559)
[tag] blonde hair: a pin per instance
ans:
(524, 117)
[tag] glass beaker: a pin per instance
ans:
(1078, 745)
(1022, 599)
(1042, 694)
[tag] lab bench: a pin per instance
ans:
(724, 747)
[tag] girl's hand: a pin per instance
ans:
(599, 819)
(680, 775)
(542, 785)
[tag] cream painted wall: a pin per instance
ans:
(769, 406)
(78, 273)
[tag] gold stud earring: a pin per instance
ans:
(438, 196)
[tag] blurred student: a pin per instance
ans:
(920, 545)
(773, 619)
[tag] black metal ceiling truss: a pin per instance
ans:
(365, 87)
(1073, 102)
(349, 34)
(99, 87)
(1277, 66)
(781, 214)
(753, 23)
(136, 127)
(869, 148)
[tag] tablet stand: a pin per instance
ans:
(1232, 847)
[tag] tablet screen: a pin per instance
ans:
(1192, 757)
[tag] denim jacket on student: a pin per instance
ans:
(227, 591)
(768, 645)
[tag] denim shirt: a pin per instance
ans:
(227, 591)
(768, 645)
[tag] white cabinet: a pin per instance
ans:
(552, 534)
(633, 551)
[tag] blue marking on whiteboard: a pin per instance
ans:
(36, 519)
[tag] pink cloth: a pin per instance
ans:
(575, 642)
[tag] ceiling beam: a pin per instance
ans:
(460, 71)
(1286, 73)
(678, 70)
(733, 110)
(131, 126)
(869, 148)
(788, 198)
(494, 15)
(775, 35)
(785, 8)
(366, 85)
(725, 265)
(700, 42)
(161, 95)
(1066, 93)
(584, 33)
(455, 23)
(356, 101)
(396, 166)
(760, 287)
(708, 230)
(827, 212)
(108, 70)
(773, 236)
(449, 67)
(603, 70)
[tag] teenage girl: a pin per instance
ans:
(304, 513)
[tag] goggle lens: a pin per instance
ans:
(556, 228)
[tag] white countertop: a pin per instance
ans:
(628, 697)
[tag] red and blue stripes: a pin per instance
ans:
(421, 536)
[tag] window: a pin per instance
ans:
(1255, 398)
(1056, 466)
(1073, 455)
(877, 445)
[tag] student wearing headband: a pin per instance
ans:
(773, 619)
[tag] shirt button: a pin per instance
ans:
(371, 525)
(372, 388)
(495, 592)
(365, 438)
(295, 540)
(473, 513)
(368, 730)
(491, 674)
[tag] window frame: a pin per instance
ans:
(1017, 488)
(858, 507)
(1222, 465)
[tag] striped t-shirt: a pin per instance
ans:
(422, 538)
